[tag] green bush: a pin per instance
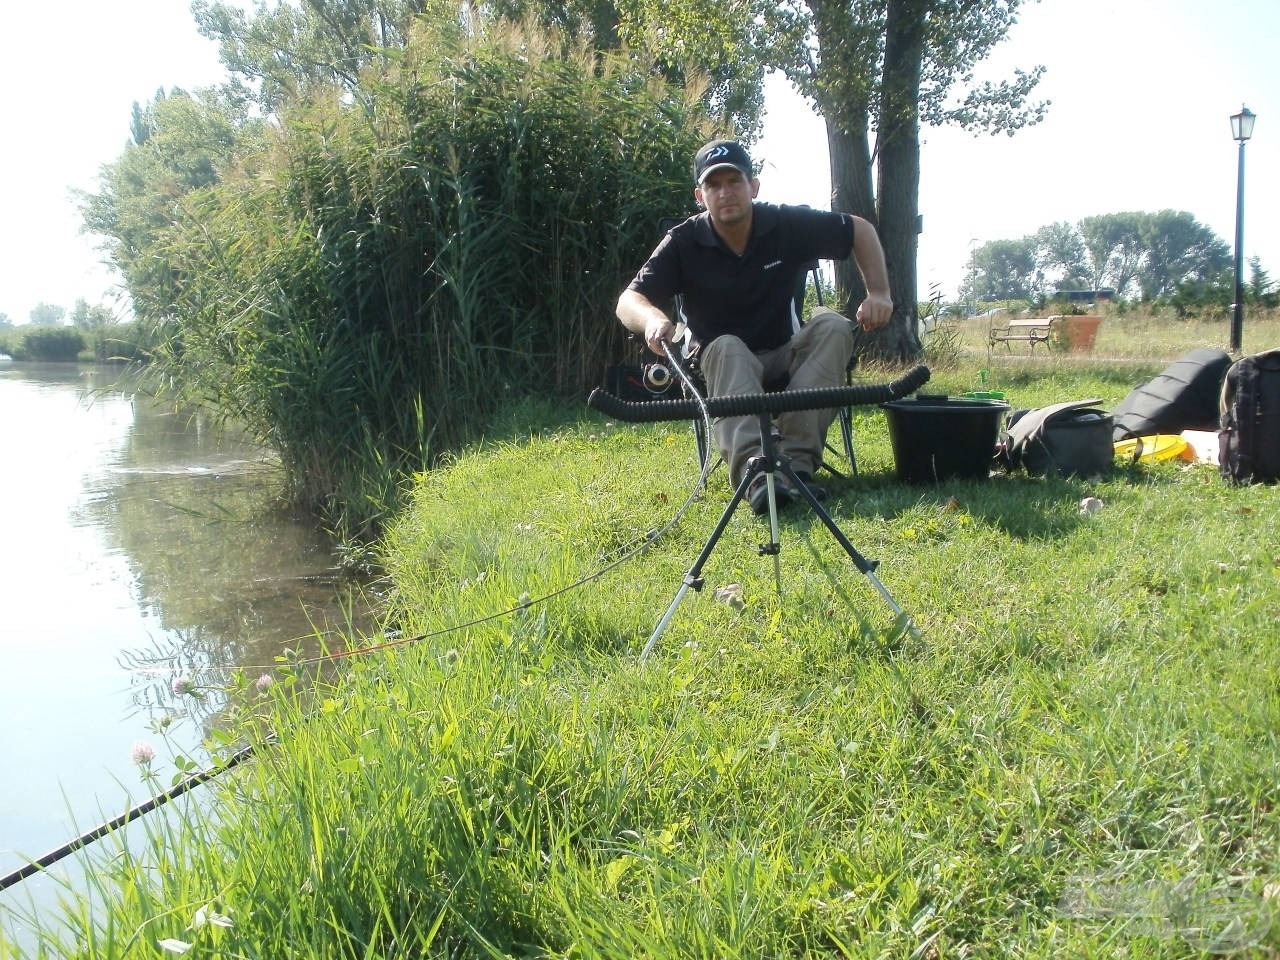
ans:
(117, 342)
(53, 344)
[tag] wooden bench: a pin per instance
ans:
(1031, 331)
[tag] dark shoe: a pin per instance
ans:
(758, 493)
(819, 492)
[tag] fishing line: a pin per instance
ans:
(638, 546)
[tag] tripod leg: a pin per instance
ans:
(693, 579)
(774, 546)
(865, 566)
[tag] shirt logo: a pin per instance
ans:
(770, 266)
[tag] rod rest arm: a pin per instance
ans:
(650, 411)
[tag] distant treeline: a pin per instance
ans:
(1165, 256)
(109, 343)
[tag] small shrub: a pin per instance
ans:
(54, 344)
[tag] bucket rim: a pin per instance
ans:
(938, 403)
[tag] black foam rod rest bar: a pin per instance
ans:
(650, 411)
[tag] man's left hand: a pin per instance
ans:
(875, 311)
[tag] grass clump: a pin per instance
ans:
(1091, 706)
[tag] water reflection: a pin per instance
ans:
(141, 546)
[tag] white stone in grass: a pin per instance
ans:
(731, 594)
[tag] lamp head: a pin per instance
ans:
(1242, 124)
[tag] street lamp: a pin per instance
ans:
(1241, 130)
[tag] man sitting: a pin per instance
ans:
(736, 267)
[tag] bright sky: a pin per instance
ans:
(1141, 90)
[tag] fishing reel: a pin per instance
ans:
(657, 378)
(639, 382)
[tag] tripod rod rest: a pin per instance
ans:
(650, 411)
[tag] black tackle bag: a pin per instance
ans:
(1071, 439)
(1249, 437)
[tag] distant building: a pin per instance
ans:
(1086, 296)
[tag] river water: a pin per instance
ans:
(139, 548)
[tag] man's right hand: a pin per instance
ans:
(875, 312)
(641, 317)
(658, 330)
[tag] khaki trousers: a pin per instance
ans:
(817, 356)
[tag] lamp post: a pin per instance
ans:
(973, 275)
(1241, 131)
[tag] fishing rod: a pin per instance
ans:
(154, 803)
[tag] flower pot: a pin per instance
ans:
(1076, 333)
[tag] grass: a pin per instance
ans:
(1089, 715)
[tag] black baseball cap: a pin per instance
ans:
(719, 154)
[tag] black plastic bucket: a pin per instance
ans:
(937, 438)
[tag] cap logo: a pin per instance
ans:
(718, 154)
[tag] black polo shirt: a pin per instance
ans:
(752, 295)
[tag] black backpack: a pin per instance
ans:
(1184, 396)
(1249, 438)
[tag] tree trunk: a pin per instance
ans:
(847, 42)
(898, 169)
(851, 190)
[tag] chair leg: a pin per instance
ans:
(846, 434)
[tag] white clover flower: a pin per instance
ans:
(142, 753)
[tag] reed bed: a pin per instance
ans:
(376, 279)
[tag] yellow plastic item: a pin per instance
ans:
(1155, 448)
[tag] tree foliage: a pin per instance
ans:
(181, 144)
(293, 51)
(47, 314)
(1004, 270)
(1178, 249)
(86, 317)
